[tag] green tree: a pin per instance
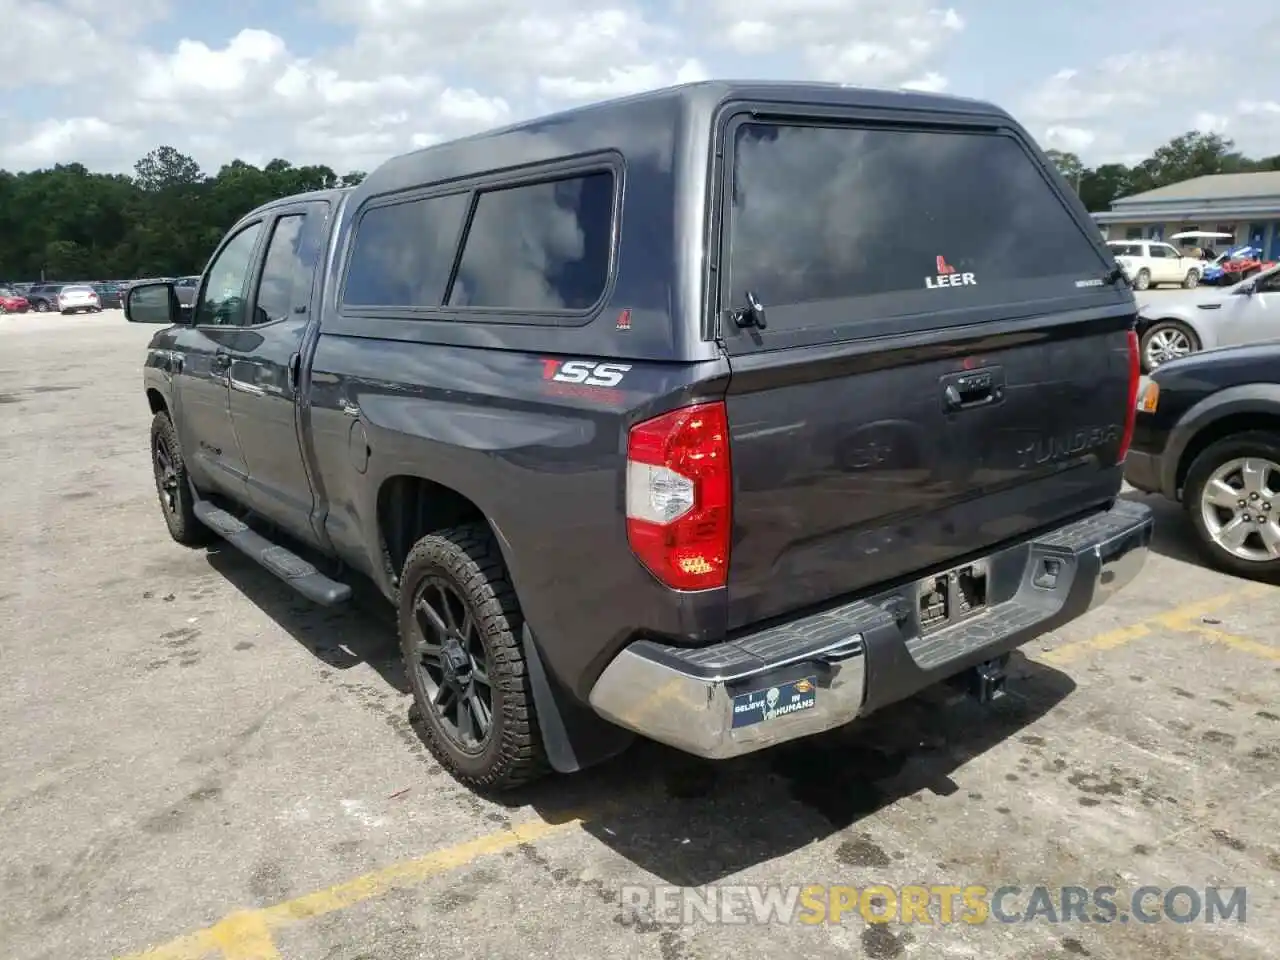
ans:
(1068, 165)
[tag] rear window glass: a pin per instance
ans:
(403, 252)
(831, 225)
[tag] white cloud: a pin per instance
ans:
(407, 73)
(931, 82)
(1128, 104)
(1068, 139)
(871, 42)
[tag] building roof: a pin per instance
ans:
(1218, 186)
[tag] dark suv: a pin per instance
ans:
(723, 414)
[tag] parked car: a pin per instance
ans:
(12, 302)
(110, 295)
(1174, 326)
(78, 298)
(185, 288)
(1208, 436)
(43, 297)
(669, 454)
(1149, 263)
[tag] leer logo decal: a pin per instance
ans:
(948, 276)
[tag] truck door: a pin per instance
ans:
(264, 368)
(208, 440)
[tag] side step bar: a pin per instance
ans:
(286, 565)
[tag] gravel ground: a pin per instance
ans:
(198, 764)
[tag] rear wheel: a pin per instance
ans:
(177, 502)
(460, 628)
(1167, 340)
(1232, 494)
(1143, 280)
(41, 307)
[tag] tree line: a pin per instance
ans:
(1192, 154)
(67, 223)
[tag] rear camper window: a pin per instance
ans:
(831, 225)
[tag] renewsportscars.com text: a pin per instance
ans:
(931, 904)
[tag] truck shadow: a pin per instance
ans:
(364, 631)
(692, 822)
(1173, 537)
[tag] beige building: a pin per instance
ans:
(1245, 205)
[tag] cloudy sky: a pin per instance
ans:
(350, 82)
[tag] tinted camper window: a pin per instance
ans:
(403, 252)
(833, 224)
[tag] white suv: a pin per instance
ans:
(1149, 262)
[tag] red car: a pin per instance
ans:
(11, 302)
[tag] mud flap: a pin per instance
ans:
(574, 736)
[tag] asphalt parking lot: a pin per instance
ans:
(198, 764)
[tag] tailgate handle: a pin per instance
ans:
(973, 388)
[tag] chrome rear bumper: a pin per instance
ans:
(824, 670)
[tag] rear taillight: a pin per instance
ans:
(1131, 414)
(679, 489)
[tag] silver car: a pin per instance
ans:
(1177, 324)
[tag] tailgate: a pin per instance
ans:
(943, 364)
(854, 471)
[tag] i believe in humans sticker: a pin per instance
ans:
(948, 276)
(785, 698)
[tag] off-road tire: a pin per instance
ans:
(1143, 280)
(467, 557)
(1252, 443)
(181, 518)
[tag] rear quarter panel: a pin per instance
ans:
(544, 462)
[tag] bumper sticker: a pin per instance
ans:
(774, 702)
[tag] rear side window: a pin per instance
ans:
(540, 247)
(403, 253)
(830, 225)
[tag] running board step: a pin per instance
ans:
(285, 564)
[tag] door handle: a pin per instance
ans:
(295, 361)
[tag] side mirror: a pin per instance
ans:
(155, 302)
(1248, 289)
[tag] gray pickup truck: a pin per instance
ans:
(723, 414)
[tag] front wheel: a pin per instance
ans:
(41, 307)
(1232, 494)
(1191, 280)
(177, 502)
(460, 629)
(1167, 340)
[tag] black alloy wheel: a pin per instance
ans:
(452, 664)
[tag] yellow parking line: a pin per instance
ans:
(1244, 644)
(1181, 618)
(247, 935)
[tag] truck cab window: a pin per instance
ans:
(284, 273)
(222, 301)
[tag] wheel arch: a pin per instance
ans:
(410, 506)
(1234, 410)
